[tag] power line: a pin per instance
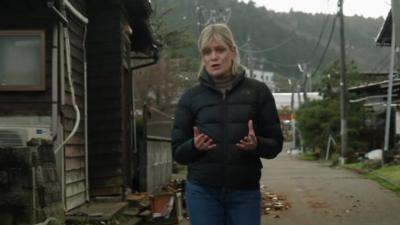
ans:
(325, 25)
(327, 46)
(279, 64)
(267, 49)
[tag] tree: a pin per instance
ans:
(160, 85)
(319, 119)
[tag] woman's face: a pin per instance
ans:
(217, 58)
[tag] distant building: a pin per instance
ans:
(266, 77)
(284, 99)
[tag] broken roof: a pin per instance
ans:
(142, 38)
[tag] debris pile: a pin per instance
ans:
(165, 206)
(273, 202)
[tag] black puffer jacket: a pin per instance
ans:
(224, 118)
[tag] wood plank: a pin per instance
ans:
(78, 138)
(74, 176)
(69, 125)
(80, 101)
(75, 25)
(74, 164)
(74, 150)
(69, 112)
(74, 189)
(77, 53)
(75, 201)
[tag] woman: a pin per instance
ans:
(223, 126)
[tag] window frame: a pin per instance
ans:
(29, 33)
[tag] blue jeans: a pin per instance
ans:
(221, 206)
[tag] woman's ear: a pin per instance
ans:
(233, 49)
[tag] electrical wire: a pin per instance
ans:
(327, 45)
(313, 52)
(267, 49)
(279, 64)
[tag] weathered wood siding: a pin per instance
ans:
(35, 15)
(109, 100)
(30, 15)
(75, 165)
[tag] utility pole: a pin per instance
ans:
(392, 69)
(390, 89)
(303, 69)
(292, 114)
(206, 17)
(343, 87)
(298, 94)
(250, 58)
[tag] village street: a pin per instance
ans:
(318, 194)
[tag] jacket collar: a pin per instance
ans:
(206, 79)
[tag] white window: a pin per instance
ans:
(22, 60)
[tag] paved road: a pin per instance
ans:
(320, 195)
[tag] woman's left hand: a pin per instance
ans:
(250, 141)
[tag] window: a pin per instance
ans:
(22, 60)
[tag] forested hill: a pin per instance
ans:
(279, 41)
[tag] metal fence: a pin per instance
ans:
(155, 154)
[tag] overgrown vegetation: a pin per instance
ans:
(319, 119)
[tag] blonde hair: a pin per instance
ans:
(221, 33)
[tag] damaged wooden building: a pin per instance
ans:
(66, 72)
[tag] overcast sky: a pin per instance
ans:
(366, 8)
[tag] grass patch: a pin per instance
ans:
(391, 173)
(309, 156)
(359, 167)
(387, 176)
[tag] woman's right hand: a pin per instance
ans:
(201, 141)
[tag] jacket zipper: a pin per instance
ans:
(224, 136)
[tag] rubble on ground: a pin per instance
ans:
(272, 202)
(165, 206)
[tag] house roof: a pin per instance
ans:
(384, 37)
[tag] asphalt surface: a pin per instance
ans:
(319, 195)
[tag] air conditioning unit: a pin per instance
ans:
(20, 136)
